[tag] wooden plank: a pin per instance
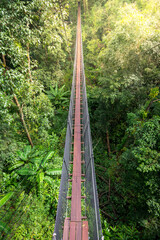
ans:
(72, 231)
(79, 231)
(76, 176)
(85, 230)
(66, 229)
(76, 219)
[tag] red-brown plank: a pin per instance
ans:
(66, 229)
(76, 176)
(84, 230)
(79, 231)
(72, 231)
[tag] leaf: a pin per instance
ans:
(6, 198)
(36, 160)
(36, 152)
(26, 171)
(22, 155)
(27, 150)
(49, 155)
(50, 97)
(4, 228)
(54, 172)
(17, 165)
(48, 180)
(40, 178)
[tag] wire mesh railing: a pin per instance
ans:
(62, 202)
(92, 202)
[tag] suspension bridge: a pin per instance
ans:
(78, 215)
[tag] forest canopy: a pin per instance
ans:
(121, 41)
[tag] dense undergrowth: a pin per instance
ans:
(34, 82)
(121, 53)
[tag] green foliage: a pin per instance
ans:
(32, 176)
(120, 233)
(121, 47)
(3, 227)
(5, 198)
(122, 54)
(134, 173)
(37, 166)
(58, 96)
(34, 59)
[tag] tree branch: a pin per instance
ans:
(22, 119)
(150, 104)
(152, 47)
(107, 214)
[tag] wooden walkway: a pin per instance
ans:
(74, 227)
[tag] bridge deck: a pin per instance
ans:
(75, 228)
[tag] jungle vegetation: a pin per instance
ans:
(121, 40)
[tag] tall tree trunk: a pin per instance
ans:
(4, 60)
(29, 63)
(22, 119)
(4, 64)
(87, 5)
(84, 4)
(16, 100)
(65, 30)
(108, 143)
(109, 151)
